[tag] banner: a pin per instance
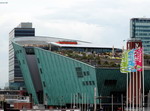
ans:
(124, 62)
(138, 59)
(131, 61)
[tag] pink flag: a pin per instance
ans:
(138, 59)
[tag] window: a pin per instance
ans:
(86, 73)
(83, 83)
(93, 82)
(19, 62)
(44, 84)
(41, 71)
(23, 61)
(38, 60)
(88, 83)
(79, 72)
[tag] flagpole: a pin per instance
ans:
(137, 97)
(143, 75)
(133, 90)
(140, 90)
(130, 91)
(127, 92)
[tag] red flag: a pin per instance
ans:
(138, 59)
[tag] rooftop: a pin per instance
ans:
(25, 25)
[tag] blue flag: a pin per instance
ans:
(131, 61)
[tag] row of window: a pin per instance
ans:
(88, 83)
(144, 38)
(24, 31)
(146, 49)
(18, 51)
(81, 49)
(141, 26)
(20, 62)
(146, 45)
(145, 41)
(143, 34)
(139, 30)
(141, 21)
(81, 73)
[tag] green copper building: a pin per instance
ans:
(55, 78)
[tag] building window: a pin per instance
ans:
(83, 83)
(79, 72)
(19, 62)
(86, 73)
(41, 71)
(44, 84)
(93, 83)
(38, 60)
(88, 83)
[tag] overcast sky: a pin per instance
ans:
(103, 22)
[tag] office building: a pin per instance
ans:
(140, 30)
(15, 75)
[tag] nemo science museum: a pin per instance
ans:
(71, 73)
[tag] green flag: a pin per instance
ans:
(124, 62)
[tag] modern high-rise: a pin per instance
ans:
(140, 30)
(15, 75)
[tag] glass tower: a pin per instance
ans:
(15, 76)
(140, 30)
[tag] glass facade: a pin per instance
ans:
(15, 76)
(140, 30)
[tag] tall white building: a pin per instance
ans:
(15, 76)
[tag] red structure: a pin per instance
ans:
(23, 106)
(67, 42)
(135, 81)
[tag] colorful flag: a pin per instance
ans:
(138, 59)
(124, 62)
(131, 61)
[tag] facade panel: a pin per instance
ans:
(60, 78)
(21, 56)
